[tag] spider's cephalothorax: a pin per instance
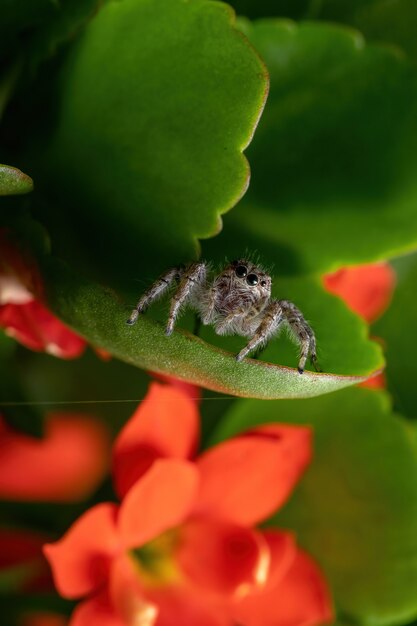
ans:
(236, 302)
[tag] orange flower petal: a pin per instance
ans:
(81, 560)
(147, 604)
(225, 558)
(98, 611)
(128, 595)
(283, 550)
(158, 501)
(366, 289)
(164, 425)
(36, 328)
(182, 606)
(65, 466)
(244, 480)
(301, 598)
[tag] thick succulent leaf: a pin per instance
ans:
(379, 20)
(343, 346)
(334, 157)
(355, 509)
(13, 181)
(390, 21)
(397, 330)
(98, 315)
(157, 101)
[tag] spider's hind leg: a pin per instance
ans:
(303, 333)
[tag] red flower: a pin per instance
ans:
(366, 289)
(22, 314)
(66, 465)
(183, 547)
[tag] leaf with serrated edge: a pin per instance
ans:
(334, 157)
(147, 154)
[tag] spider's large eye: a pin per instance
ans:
(241, 271)
(252, 279)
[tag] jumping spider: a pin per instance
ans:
(237, 301)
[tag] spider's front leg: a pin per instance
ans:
(192, 277)
(154, 292)
(271, 321)
(303, 333)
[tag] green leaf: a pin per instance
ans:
(98, 315)
(13, 181)
(157, 101)
(379, 20)
(334, 157)
(397, 330)
(389, 21)
(355, 510)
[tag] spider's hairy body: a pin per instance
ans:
(235, 302)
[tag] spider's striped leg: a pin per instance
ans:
(192, 277)
(271, 321)
(302, 332)
(155, 291)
